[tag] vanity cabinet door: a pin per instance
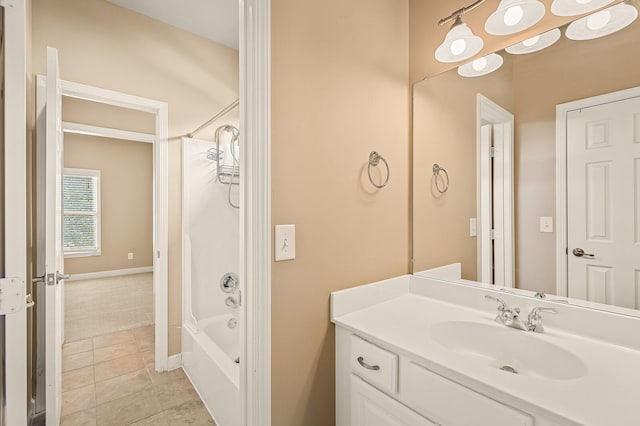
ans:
(370, 407)
(452, 404)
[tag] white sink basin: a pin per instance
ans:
(508, 349)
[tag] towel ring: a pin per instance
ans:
(374, 160)
(436, 173)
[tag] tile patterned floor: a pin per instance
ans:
(108, 375)
(110, 380)
(106, 305)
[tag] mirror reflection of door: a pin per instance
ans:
(495, 193)
(603, 209)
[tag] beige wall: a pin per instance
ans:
(444, 132)
(126, 201)
(106, 46)
(340, 89)
(426, 35)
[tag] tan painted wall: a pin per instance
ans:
(340, 89)
(106, 46)
(426, 35)
(126, 201)
(444, 132)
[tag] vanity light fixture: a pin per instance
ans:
(577, 7)
(481, 66)
(535, 43)
(513, 16)
(602, 23)
(460, 43)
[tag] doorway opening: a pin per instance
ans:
(495, 193)
(99, 322)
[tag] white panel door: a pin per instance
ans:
(371, 407)
(54, 260)
(603, 203)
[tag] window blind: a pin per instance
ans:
(80, 217)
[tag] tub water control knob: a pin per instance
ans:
(229, 282)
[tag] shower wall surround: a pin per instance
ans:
(211, 346)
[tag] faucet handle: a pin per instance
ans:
(502, 305)
(504, 312)
(535, 312)
(534, 321)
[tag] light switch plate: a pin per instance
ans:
(546, 224)
(473, 227)
(285, 242)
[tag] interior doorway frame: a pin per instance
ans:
(255, 95)
(15, 223)
(255, 216)
(488, 112)
(562, 110)
(160, 189)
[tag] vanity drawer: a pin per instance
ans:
(374, 364)
(451, 404)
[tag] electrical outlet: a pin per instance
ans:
(130, 256)
(285, 242)
(546, 224)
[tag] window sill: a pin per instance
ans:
(82, 254)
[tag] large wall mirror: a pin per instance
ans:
(542, 158)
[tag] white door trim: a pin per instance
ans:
(160, 194)
(562, 110)
(16, 204)
(488, 112)
(255, 213)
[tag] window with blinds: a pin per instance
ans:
(81, 212)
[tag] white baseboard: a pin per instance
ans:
(114, 273)
(174, 361)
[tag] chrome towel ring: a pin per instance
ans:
(374, 160)
(436, 173)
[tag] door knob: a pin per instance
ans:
(578, 252)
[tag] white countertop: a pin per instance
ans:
(607, 395)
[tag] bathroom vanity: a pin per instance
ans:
(418, 350)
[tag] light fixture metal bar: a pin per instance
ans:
(460, 12)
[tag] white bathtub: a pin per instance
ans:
(208, 357)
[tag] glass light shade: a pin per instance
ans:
(602, 23)
(577, 7)
(481, 66)
(459, 44)
(535, 43)
(513, 16)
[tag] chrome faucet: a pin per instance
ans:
(534, 320)
(506, 315)
(511, 317)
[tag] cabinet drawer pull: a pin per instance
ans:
(365, 365)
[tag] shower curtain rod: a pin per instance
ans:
(215, 117)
